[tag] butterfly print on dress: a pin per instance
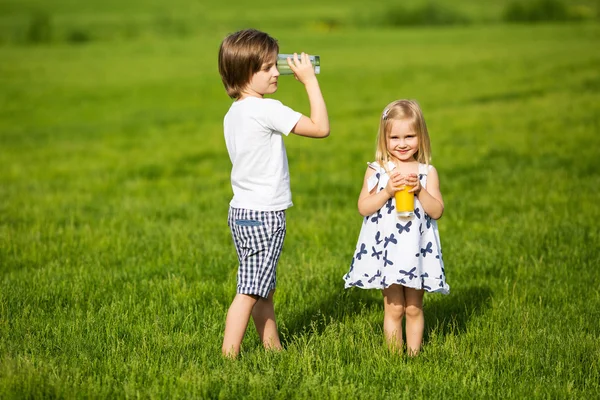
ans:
(377, 275)
(428, 219)
(377, 238)
(411, 273)
(377, 216)
(418, 212)
(363, 250)
(405, 227)
(376, 253)
(386, 260)
(389, 240)
(427, 249)
(389, 206)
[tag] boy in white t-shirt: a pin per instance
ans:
(254, 129)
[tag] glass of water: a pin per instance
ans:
(284, 68)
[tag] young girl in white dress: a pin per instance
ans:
(401, 256)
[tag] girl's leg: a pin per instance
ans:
(236, 323)
(393, 308)
(415, 320)
(263, 315)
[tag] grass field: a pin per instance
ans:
(116, 262)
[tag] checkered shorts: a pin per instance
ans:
(258, 238)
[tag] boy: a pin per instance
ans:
(254, 129)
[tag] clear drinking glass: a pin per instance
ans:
(284, 68)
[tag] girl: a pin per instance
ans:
(401, 256)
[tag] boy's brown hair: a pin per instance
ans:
(241, 55)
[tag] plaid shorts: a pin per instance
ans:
(258, 238)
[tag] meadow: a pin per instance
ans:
(116, 262)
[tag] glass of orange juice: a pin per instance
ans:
(405, 202)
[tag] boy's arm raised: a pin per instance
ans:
(317, 126)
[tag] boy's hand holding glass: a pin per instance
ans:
(302, 67)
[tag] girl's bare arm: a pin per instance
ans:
(371, 201)
(431, 198)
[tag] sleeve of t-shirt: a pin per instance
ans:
(280, 117)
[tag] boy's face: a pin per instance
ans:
(264, 81)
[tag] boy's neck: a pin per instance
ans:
(245, 95)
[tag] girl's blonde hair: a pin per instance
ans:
(403, 110)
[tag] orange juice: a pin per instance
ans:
(405, 202)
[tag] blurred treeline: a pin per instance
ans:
(30, 22)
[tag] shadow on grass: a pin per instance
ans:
(443, 314)
(336, 306)
(450, 314)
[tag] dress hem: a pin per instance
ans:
(442, 290)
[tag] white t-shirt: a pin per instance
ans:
(254, 129)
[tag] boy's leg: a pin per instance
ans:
(263, 315)
(393, 307)
(258, 237)
(236, 323)
(415, 320)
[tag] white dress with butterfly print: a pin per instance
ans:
(402, 251)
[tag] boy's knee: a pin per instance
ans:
(247, 299)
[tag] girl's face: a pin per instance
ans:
(402, 141)
(264, 81)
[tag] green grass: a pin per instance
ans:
(36, 21)
(116, 262)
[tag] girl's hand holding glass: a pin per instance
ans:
(394, 184)
(413, 180)
(397, 182)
